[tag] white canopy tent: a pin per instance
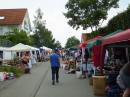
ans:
(18, 48)
(33, 48)
(5, 55)
(21, 48)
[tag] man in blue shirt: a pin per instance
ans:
(55, 65)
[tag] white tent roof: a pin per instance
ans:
(18, 48)
(46, 48)
(32, 48)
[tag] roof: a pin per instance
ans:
(18, 48)
(85, 43)
(99, 41)
(12, 16)
(83, 37)
(122, 37)
(95, 38)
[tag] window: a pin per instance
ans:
(1, 30)
(2, 17)
(25, 25)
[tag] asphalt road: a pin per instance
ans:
(39, 84)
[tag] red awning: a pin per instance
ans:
(85, 43)
(80, 46)
(117, 38)
(122, 37)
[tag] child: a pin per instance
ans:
(28, 66)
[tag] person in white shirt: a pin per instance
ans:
(29, 65)
(75, 55)
(63, 56)
(106, 57)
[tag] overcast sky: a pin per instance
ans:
(55, 21)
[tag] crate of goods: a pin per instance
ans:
(99, 84)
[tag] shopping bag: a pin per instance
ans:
(2, 76)
(79, 74)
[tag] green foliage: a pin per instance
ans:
(42, 36)
(90, 35)
(88, 13)
(13, 69)
(18, 37)
(72, 41)
(38, 18)
(120, 21)
(57, 44)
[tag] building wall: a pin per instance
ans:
(7, 28)
(26, 25)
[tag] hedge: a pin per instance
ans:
(13, 69)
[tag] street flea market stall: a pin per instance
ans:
(117, 39)
(99, 40)
(18, 60)
(81, 51)
(96, 48)
(78, 64)
(46, 54)
(121, 39)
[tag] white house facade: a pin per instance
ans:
(14, 19)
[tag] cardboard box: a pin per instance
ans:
(99, 84)
(91, 81)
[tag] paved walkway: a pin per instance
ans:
(3, 84)
(39, 84)
(68, 86)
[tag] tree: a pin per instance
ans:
(42, 36)
(57, 44)
(88, 13)
(72, 41)
(18, 37)
(38, 18)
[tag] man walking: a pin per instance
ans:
(55, 65)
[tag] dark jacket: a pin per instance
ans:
(86, 56)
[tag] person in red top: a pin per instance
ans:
(27, 54)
